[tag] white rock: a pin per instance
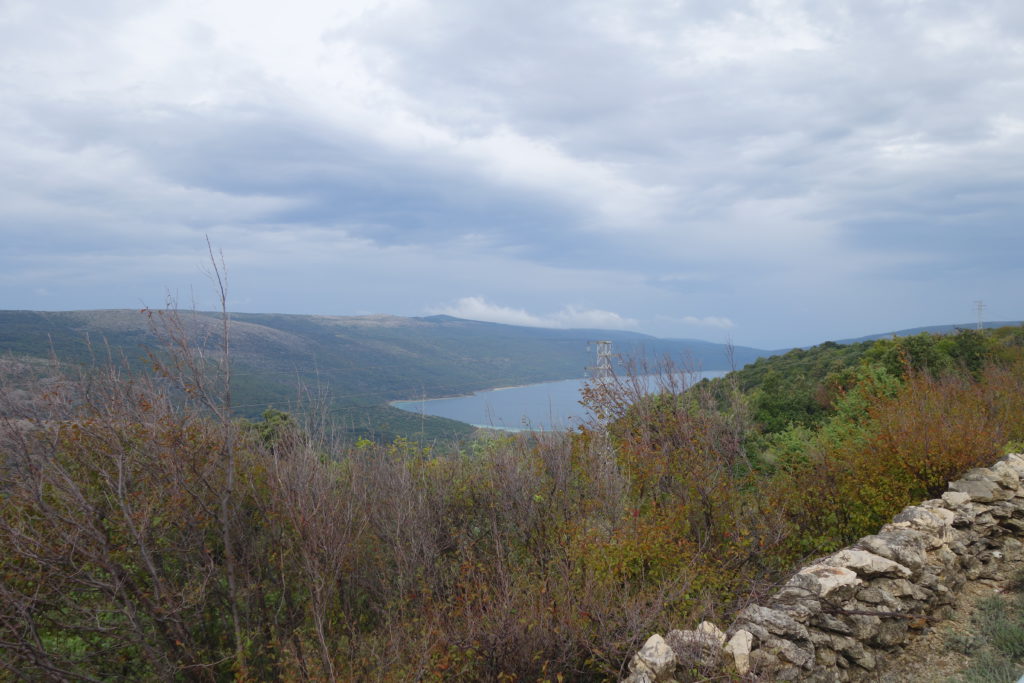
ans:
(823, 579)
(924, 519)
(866, 563)
(739, 647)
(656, 657)
(710, 631)
(947, 516)
(1007, 476)
(1015, 461)
(955, 498)
(981, 485)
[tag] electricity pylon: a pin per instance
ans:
(603, 369)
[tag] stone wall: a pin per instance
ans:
(837, 618)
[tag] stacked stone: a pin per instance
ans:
(833, 620)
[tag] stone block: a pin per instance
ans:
(824, 581)
(955, 499)
(738, 648)
(1015, 461)
(655, 658)
(867, 564)
(980, 489)
(772, 621)
(906, 546)
(1005, 475)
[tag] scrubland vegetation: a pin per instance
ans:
(146, 533)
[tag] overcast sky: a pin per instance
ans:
(777, 172)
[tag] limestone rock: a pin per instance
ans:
(739, 647)
(867, 564)
(873, 595)
(865, 626)
(985, 519)
(788, 651)
(825, 656)
(906, 546)
(937, 523)
(861, 656)
(764, 663)
(1015, 461)
(1006, 476)
(823, 580)
(979, 474)
(947, 516)
(981, 489)
(770, 621)
(1001, 509)
(712, 632)
(956, 498)
(831, 622)
(655, 658)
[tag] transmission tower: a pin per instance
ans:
(603, 369)
(980, 305)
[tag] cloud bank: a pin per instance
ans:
(805, 170)
(477, 308)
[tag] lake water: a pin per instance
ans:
(545, 406)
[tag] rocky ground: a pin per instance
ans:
(928, 657)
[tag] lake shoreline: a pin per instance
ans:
(480, 391)
(553, 405)
(483, 398)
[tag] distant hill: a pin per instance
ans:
(934, 329)
(361, 361)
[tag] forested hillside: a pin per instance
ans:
(355, 364)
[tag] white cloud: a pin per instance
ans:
(594, 317)
(709, 321)
(510, 157)
(478, 308)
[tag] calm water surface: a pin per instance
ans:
(550, 405)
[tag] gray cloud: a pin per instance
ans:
(802, 170)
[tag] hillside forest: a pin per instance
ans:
(353, 366)
(147, 532)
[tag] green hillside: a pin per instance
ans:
(800, 389)
(359, 363)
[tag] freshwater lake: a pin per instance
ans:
(545, 406)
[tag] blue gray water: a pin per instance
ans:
(550, 405)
